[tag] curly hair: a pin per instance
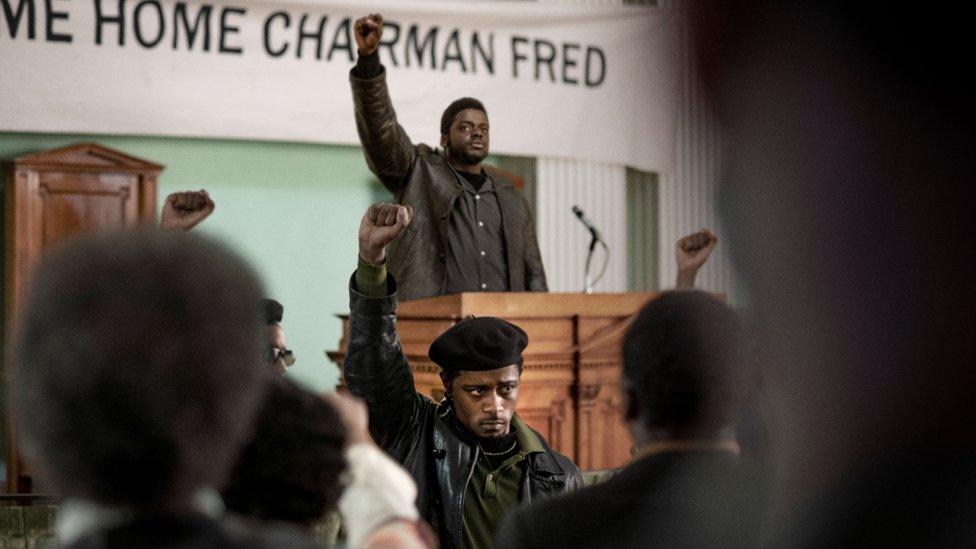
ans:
(137, 366)
(290, 469)
(457, 106)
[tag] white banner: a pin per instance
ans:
(592, 83)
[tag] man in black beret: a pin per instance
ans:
(471, 455)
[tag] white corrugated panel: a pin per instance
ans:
(687, 199)
(688, 196)
(600, 190)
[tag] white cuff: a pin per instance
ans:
(380, 491)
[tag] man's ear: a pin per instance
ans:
(444, 146)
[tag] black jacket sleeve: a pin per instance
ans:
(376, 370)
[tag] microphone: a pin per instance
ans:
(585, 221)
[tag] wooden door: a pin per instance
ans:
(53, 195)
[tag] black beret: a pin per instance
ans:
(479, 344)
(273, 311)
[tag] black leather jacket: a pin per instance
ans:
(419, 433)
(420, 176)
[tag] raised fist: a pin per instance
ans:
(381, 224)
(693, 250)
(185, 210)
(368, 31)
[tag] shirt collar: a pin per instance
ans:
(527, 439)
(487, 186)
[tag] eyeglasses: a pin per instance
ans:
(273, 354)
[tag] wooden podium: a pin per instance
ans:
(570, 389)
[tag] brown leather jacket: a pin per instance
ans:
(420, 176)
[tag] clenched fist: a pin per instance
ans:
(691, 253)
(185, 210)
(369, 30)
(693, 250)
(381, 224)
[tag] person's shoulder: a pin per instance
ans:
(566, 464)
(578, 517)
(551, 459)
(430, 154)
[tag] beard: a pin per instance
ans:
(466, 157)
(497, 443)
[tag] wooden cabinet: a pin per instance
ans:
(55, 194)
(570, 390)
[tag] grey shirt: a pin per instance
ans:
(476, 256)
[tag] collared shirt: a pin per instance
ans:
(493, 490)
(476, 257)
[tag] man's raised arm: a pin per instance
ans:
(389, 152)
(375, 368)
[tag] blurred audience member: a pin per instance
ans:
(136, 374)
(277, 355)
(377, 505)
(848, 197)
(185, 210)
(684, 383)
(290, 470)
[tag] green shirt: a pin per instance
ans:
(492, 491)
(371, 279)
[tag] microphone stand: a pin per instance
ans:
(588, 281)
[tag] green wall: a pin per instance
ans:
(293, 210)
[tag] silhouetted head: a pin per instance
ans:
(290, 470)
(137, 367)
(683, 373)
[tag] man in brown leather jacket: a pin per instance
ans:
(470, 231)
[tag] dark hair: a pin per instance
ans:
(273, 311)
(682, 360)
(457, 106)
(290, 470)
(137, 366)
